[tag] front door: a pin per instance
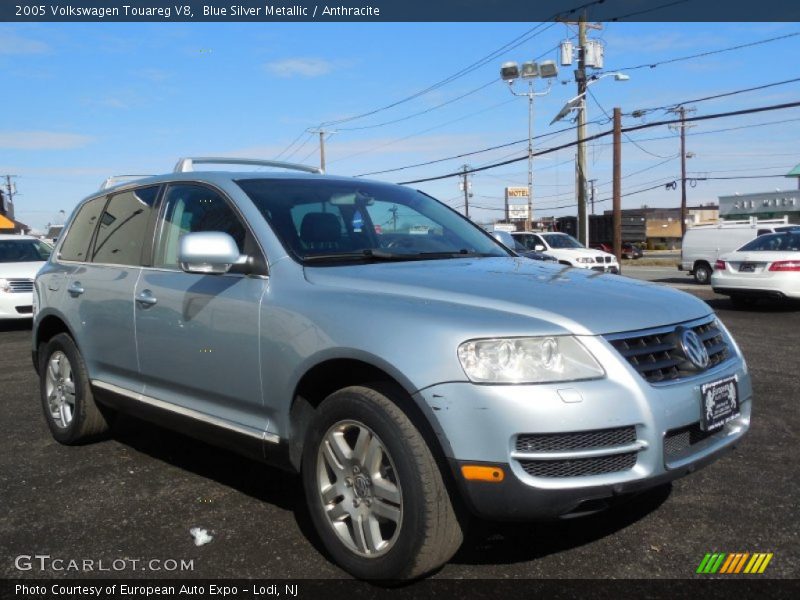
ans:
(198, 335)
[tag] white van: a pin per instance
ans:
(703, 244)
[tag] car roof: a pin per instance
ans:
(12, 236)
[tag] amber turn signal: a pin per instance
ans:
(480, 473)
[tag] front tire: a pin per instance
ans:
(67, 399)
(374, 491)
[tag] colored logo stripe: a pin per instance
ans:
(720, 562)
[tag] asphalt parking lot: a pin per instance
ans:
(137, 494)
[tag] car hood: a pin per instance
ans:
(581, 301)
(20, 270)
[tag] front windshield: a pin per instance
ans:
(13, 251)
(344, 220)
(775, 242)
(561, 240)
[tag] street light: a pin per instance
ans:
(510, 72)
(578, 103)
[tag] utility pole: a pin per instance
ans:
(10, 193)
(681, 112)
(617, 185)
(580, 77)
(591, 193)
(322, 134)
(465, 187)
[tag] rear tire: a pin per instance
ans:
(374, 491)
(66, 394)
(702, 273)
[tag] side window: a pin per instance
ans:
(123, 227)
(189, 209)
(76, 244)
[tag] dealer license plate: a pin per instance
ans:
(720, 402)
(747, 267)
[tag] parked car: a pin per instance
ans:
(703, 244)
(568, 251)
(629, 251)
(21, 256)
(766, 267)
(410, 380)
(505, 238)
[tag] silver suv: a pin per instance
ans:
(412, 369)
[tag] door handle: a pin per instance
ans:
(146, 299)
(75, 289)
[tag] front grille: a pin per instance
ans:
(678, 440)
(658, 356)
(576, 440)
(20, 285)
(580, 467)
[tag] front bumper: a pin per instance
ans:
(483, 424)
(16, 305)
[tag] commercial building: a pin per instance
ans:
(775, 204)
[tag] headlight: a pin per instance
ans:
(4, 286)
(35, 303)
(527, 360)
(585, 259)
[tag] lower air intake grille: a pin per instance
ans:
(579, 467)
(576, 440)
(678, 440)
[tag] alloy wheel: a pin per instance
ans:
(359, 489)
(60, 389)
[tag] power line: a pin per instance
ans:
(643, 111)
(518, 41)
(404, 138)
(627, 137)
(745, 111)
(294, 141)
(422, 112)
(465, 154)
(301, 146)
(709, 52)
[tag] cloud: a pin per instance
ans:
(301, 67)
(11, 43)
(42, 140)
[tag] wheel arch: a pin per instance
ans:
(46, 328)
(332, 374)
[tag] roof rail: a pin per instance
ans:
(186, 165)
(115, 179)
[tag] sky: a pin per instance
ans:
(85, 101)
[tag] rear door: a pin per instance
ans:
(104, 247)
(198, 334)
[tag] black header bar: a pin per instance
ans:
(397, 10)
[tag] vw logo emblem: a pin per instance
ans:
(693, 348)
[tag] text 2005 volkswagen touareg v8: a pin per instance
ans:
(371, 338)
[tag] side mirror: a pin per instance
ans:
(539, 248)
(210, 252)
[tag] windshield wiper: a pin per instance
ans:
(378, 255)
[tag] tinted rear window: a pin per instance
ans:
(76, 244)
